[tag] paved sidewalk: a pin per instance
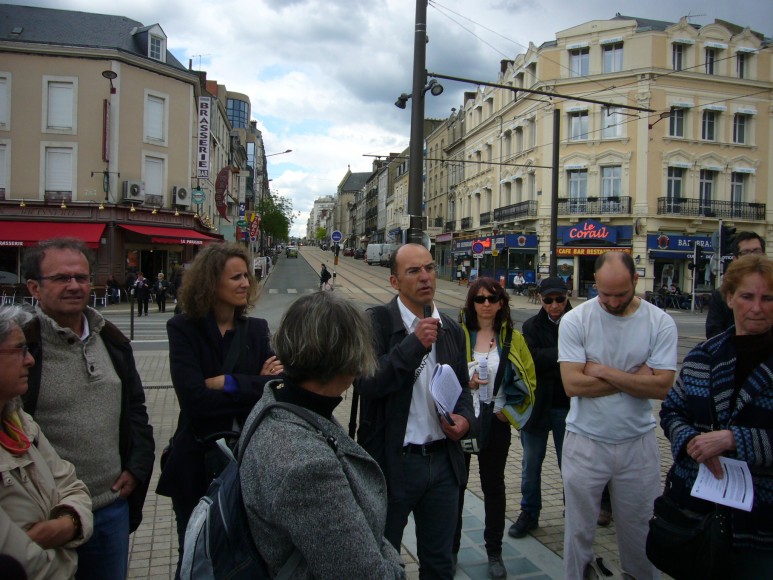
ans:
(154, 545)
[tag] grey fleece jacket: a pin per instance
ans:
(299, 494)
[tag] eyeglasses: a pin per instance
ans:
(558, 299)
(65, 278)
(750, 252)
(493, 299)
(429, 269)
(23, 349)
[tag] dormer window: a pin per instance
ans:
(157, 48)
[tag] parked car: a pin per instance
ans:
(348, 251)
(291, 252)
(359, 254)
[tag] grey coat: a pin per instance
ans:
(299, 494)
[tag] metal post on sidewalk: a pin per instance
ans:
(131, 313)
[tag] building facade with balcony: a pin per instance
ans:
(97, 122)
(626, 178)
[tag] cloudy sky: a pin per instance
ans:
(323, 75)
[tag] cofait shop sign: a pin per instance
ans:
(589, 231)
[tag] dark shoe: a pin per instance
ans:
(605, 517)
(496, 567)
(522, 526)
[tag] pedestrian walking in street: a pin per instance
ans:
(160, 288)
(142, 294)
(324, 278)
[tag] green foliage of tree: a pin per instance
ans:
(277, 215)
(321, 234)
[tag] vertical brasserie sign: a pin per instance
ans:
(202, 138)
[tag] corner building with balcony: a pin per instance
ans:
(653, 184)
(97, 134)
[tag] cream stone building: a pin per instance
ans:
(653, 183)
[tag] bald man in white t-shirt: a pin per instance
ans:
(616, 352)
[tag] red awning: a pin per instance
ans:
(30, 233)
(171, 235)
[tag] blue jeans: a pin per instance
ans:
(431, 492)
(534, 445)
(106, 554)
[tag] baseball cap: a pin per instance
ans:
(552, 285)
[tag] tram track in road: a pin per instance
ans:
(369, 284)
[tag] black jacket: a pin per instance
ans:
(386, 396)
(197, 351)
(542, 338)
(719, 317)
(136, 444)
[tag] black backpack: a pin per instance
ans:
(218, 541)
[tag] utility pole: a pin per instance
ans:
(416, 151)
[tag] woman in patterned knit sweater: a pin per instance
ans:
(733, 373)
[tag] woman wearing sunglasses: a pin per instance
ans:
(487, 325)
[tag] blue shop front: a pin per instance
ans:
(498, 257)
(671, 253)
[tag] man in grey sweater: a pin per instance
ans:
(86, 394)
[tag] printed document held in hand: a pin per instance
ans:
(735, 489)
(445, 389)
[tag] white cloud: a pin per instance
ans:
(323, 75)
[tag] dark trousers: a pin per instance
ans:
(161, 302)
(431, 492)
(142, 306)
(491, 466)
(183, 508)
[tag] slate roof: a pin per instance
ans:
(74, 29)
(355, 182)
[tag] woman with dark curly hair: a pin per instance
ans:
(220, 361)
(487, 326)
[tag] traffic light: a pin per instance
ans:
(698, 259)
(728, 240)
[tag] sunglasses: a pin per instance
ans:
(493, 299)
(558, 299)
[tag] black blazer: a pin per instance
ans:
(197, 351)
(386, 396)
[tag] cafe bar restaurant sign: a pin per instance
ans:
(588, 233)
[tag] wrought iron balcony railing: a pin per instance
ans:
(683, 206)
(515, 211)
(595, 205)
(466, 223)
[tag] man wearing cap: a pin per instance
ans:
(616, 353)
(551, 404)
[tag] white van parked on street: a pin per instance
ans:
(373, 253)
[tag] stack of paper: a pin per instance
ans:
(445, 389)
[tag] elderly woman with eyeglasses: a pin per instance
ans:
(487, 326)
(45, 510)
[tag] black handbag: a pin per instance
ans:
(477, 437)
(687, 544)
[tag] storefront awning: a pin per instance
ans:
(159, 235)
(30, 233)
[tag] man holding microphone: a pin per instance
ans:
(417, 449)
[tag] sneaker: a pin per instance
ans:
(523, 525)
(496, 567)
(605, 517)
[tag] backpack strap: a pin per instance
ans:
(288, 568)
(503, 361)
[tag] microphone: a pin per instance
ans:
(427, 310)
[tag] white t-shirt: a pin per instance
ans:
(590, 333)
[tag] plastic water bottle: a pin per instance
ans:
(483, 390)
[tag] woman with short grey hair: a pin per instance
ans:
(318, 497)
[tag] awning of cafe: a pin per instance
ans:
(13, 233)
(158, 235)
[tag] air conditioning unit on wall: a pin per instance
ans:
(181, 196)
(133, 191)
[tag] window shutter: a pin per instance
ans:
(154, 118)
(154, 176)
(60, 97)
(3, 101)
(58, 170)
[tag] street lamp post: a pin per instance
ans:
(263, 187)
